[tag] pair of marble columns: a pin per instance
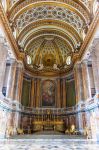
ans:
(95, 64)
(83, 77)
(35, 93)
(82, 82)
(61, 93)
(14, 80)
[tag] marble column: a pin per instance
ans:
(18, 82)
(11, 80)
(64, 93)
(58, 94)
(78, 82)
(91, 77)
(32, 104)
(95, 67)
(3, 58)
(38, 93)
(35, 91)
(86, 80)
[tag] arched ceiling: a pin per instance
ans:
(49, 31)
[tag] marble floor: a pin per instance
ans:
(48, 144)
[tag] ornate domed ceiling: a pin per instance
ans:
(50, 33)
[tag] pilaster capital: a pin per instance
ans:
(77, 65)
(3, 44)
(95, 46)
(93, 54)
(58, 79)
(84, 62)
(95, 43)
(20, 65)
(2, 39)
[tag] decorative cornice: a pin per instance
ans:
(53, 25)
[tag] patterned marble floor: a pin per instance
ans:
(48, 144)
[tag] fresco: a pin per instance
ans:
(48, 93)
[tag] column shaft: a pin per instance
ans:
(64, 93)
(38, 93)
(86, 81)
(58, 94)
(3, 57)
(11, 80)
(18, 82)
(95, 68)
(32, 94)
(35, 91)
(78, 83)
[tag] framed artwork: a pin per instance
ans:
(48, 93)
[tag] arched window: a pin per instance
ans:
(29, 61)
(68, 60)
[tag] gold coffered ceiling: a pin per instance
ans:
(50, 33)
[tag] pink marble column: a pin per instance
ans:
(78, 82)
(95, 67)
(91, 77)
(18, 82)
(11, 80)
(58, 100)
(86, 80)
(35, 91)
(38, 93)
(32, 103)
(64, 93)
(3, 58)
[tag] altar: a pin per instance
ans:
(48, 125)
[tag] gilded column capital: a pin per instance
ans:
(77, 64)
(84, 62)
(20, 65)
(2, 39)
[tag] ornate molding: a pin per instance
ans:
(46, 11)
(79, 5)
(38, 25)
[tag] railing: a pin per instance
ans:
(16, 106)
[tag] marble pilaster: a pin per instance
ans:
(38, 93)
(64, 93)
(32, 104)
(78, 82)
(95, 67)
(11, 79)
(3, 57)
(18, 82)
(58, 94)
(35, 91)
(86, 80)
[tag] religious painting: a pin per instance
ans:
(48, 93)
